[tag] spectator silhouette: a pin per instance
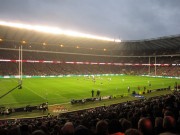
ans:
(68, 128)
(102, 127)
(132, 131)
(145, 126)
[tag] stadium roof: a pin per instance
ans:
(170, 42)
(30, 36)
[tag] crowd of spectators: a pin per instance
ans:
(55, 56)
(159, 115)
(153, 116)
(35, 69)
(104, 48)
(64, 68)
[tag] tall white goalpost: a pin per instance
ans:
(20, 67)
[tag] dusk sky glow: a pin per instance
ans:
(115, 19)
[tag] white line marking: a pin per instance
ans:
(34, 92)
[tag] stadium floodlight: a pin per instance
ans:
(56, 30)
(23, 42)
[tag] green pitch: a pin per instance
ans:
(61, 90)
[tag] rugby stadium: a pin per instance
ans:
(62, 73)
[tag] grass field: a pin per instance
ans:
(61, 90)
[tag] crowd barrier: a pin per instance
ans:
(137, 94)
(28, 108)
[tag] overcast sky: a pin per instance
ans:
(124, 19)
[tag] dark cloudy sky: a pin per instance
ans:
(124, 19)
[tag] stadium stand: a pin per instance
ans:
(158, 115)
(65, 68)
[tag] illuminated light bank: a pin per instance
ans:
(55, 30)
